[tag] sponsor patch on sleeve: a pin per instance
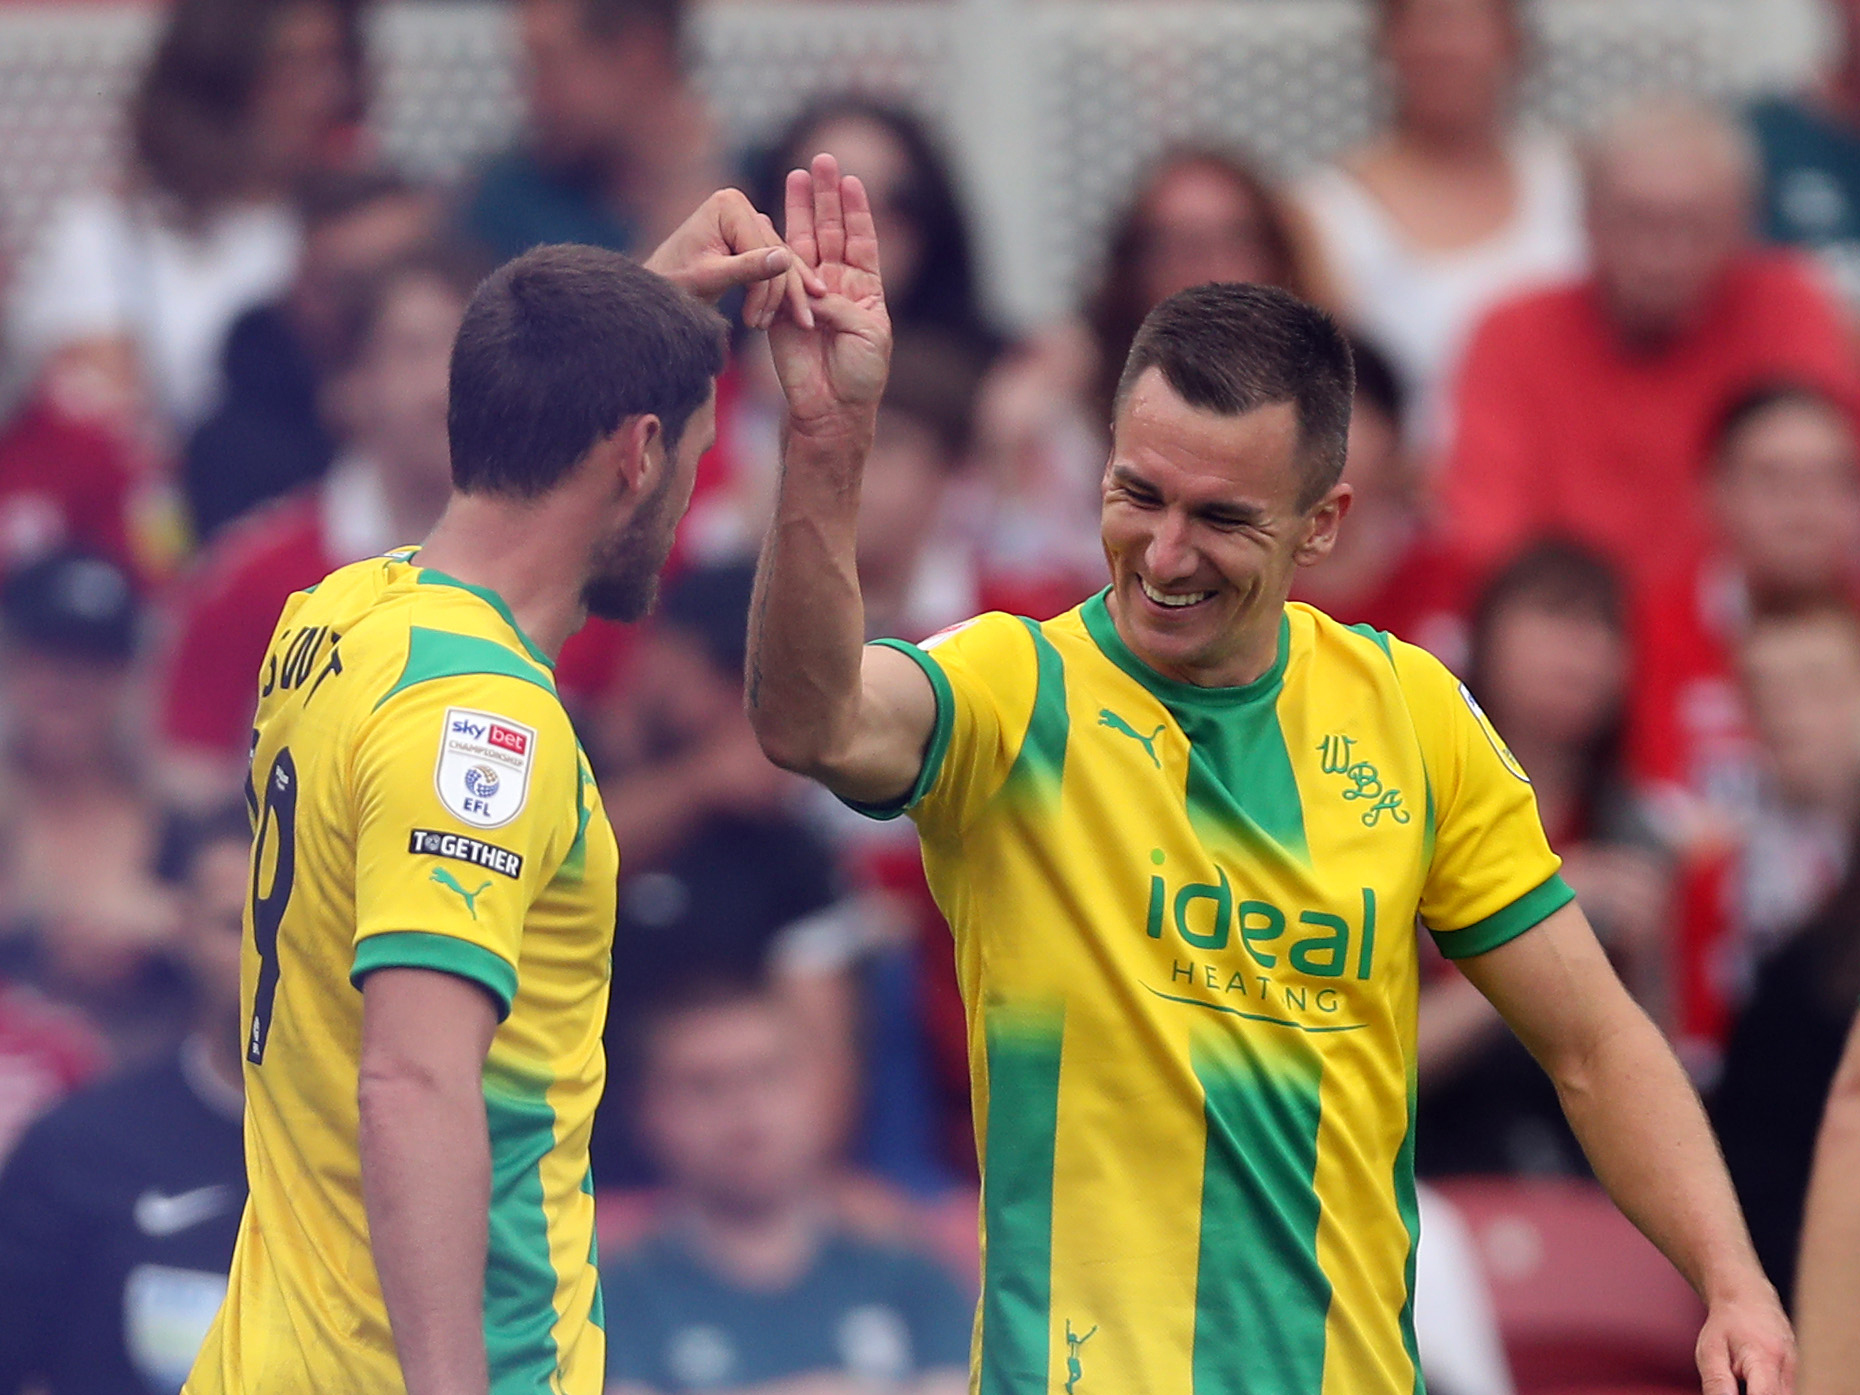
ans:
(483, 775)
(431, 842)
(1505, 758)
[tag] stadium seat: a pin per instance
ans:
(1586, 1305)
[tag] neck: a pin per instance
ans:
(763, 1247)
(516, 548)
(1255, 653)
(413, 507)
(1463, 143)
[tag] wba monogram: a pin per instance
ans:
(1365, 783)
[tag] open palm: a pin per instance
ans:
(833, 372)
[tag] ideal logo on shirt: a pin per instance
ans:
(483, 774)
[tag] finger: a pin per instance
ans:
(1766, 1372)
(1715, 1376)
(829, 215)
(759, 304)
(794, 287)
(799, 195)
(861, 227)
(718, 274)
(811, 284)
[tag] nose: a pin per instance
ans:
(1170, 556)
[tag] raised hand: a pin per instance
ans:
(833, 369)
(726, 243)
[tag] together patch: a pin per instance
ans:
(430, 842)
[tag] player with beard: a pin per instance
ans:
(432, 902)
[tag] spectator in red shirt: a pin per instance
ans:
(1585, 408)
(387, 487)
(1390, 570)
(64, 482)
(1783, 495)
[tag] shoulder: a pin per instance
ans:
(883, 1266)
(1548, 313)
(1778, 283)
(88, 1125)
(278, 545)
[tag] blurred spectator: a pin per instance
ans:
(1783, 491)
(66, 483)
(1453, 208)
(930, 274)
(620, 147)
(1777, 1070)
(1811, 160)
(79, 906)
(750, 1284)
(1586, 408)
(1044, 422)
(1389, 570)
(1802, 676)
(1549, 662)
(718, 863)
(46, 1051)
(119, 1209)
(130, 292)
(388, 488)
(268, 435)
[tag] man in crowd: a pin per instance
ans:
(620, 144)
(117, 1212)
(749, 1284)
(1586, 408)
(1162, 827)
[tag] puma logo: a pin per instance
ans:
(1108, 718)
(451, 883)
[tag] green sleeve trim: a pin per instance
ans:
(421, 949)
(939, 735)
(1528, 911)
(435, 654)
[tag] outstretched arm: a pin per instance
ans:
(855, 719)
(1827, 1286)
(1641, 1125)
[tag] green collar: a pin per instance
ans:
(430, 576)
(1103, 630)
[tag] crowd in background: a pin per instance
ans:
(1606, 455)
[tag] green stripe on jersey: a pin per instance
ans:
(1261, 1297)
(435, 654)
(1409, 1205)
(1041, 764)
(1240, 780)
(430, 577)
(1017, 1199)
(519, 1276)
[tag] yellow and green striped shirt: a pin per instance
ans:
(1184, 930)
(420, 801)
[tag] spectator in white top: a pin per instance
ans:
(1452, 208)
(128, 295)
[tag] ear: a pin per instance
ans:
(633, 457)
(1322, 524)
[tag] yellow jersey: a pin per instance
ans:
(419, 800)
(1184, 923)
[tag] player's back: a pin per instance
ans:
(419, 801)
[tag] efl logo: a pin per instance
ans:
(514, 742)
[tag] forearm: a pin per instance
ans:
(1641, 1125)
(807, 622)
(426, 1183)
(1827, 1295)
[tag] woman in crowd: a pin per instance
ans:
(125, 301)
(1549, 658)
(1045, 416)
(1453, 207)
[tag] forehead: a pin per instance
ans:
(1201, 453)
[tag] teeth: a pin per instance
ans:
(1172, 601)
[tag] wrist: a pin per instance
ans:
(845, 429)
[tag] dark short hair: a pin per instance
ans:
(1232, 349)
(558, 348)
(1377, 384)
(186, 838)
(935, 380)
(1759, 400)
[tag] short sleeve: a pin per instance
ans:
(468, 799)
(1491, 874)
(984, 675)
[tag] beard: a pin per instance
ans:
(625, 580)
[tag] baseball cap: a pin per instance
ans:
(73, 604)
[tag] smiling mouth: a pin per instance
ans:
(1174, 601)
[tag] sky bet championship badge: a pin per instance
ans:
(484, 767)
(1505, 757)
